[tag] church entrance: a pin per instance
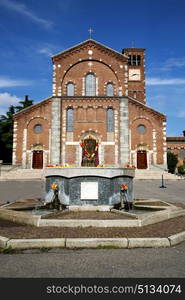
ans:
(37, 159)
(89, 153)
(141, 159)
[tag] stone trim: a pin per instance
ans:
(14, 157)
(55, 130)
(124, 132)
(24, 147)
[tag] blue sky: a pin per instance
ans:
(32, 30)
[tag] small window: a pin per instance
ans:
(141, 129)
(130, 60)
(110, 120)
(90, 85)
(69, 119)
(38, 128)
(110, 90)
(70, 89)
(134, 60)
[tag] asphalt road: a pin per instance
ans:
(12, 190)
(120, 263)
(174, 191)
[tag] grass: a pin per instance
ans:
(44, 249)
(8, 250)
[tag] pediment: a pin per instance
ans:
(147, 108)
(89, 44)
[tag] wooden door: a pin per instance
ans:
(37, 160)
(141, 159)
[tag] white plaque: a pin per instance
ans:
(89, 190)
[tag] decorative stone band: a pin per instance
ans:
(124, 132)
(14, 143)
(55, 131)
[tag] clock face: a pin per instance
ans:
(134, 74)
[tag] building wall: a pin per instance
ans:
(73, 65)
(116, 148)
(176, 145)
(153, 140)
(90, 118)
(25, 138)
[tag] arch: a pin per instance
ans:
(91, 134)
(85, 60)
(34, 118)
(90, 151)
(142, 118)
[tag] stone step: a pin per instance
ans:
(23, 174)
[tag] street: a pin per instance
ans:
(149, 263)
(122, 263)
(17, 189)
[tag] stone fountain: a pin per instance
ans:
(89, 186)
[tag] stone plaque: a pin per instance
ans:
(89, 190)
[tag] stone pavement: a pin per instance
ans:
(174, 191)
(12, 190)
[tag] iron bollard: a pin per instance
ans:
(162, 185)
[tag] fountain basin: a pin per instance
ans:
(142, 219)
(90, 185)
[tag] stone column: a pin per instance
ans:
(14, 158)
(124, 132)
(164, 146)
(55, 130)
(24, 148)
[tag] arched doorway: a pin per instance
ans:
(141, 159)
(37, 157)
(90, 156)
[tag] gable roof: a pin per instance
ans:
(92, 42)
(146, 106)
(31, 107)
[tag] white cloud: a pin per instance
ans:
(181, 114)
(6, 100)
(46, 51)
(7, 82)
(174, 63)
(25, 11)
(163, 81)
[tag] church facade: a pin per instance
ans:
(97, 114)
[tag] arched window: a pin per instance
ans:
(110, 119)
(70, 89)
(90, 85)
(70, 113)
(110, 90)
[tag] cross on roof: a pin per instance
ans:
(90, 32)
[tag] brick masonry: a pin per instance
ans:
(116, 148)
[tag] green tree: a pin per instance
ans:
(6, 134)
(6, 130)
(24, 104)
(172, 160)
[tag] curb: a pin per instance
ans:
(72, 243)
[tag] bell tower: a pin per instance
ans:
(136, 73)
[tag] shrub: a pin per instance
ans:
(172, 160)
(181, 169)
